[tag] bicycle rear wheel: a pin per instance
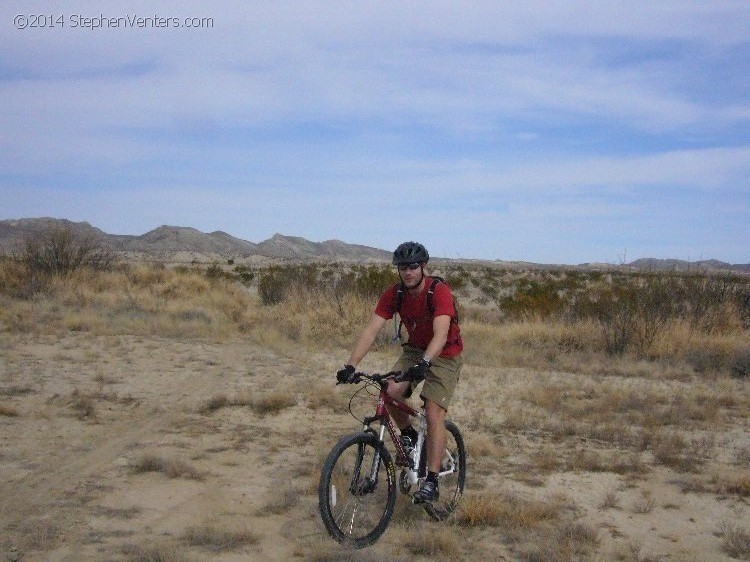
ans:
(452, 475)
(357, 494)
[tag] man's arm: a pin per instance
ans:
(440, 326)
(367, 338)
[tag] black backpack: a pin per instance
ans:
(430, 306)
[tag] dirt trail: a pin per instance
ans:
(89, 409)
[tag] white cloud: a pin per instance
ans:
(377, 111)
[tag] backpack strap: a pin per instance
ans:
(431, 291)
(397, 312)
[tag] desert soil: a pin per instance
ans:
(86, 409)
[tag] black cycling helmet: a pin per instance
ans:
(410, 252)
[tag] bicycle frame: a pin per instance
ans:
(386, 422)
(354, 506)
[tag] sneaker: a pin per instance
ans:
(428, 492)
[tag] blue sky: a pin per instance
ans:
(552, 132)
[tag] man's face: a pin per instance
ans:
(411, 274)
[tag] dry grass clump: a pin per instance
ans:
(686, 455)
(16, 390)
(282, 502)
(569, 542)
(154, 553)
(220, 539)
(320, 395)
(273, 402)
(610, 500)
(8, 411)
(507, 510)
(735, 540)
(172, 468)
(644, 503)
(42, 534)
(269, 403)
(330, 323)
(539, 530)
(83, 405)
(433, 543)
(729, 482)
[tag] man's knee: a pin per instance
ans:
(397, 390)
(435, 413)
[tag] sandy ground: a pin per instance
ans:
(88, 408)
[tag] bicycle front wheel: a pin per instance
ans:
(357, 490)
(452, 475)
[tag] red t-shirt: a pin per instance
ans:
(416, 317)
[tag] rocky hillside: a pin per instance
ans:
(168, 241)
(184, 244)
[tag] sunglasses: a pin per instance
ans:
(411, 266)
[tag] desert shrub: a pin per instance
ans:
(458, 278)
(366, 281)
(17, 281)
(277, 282)
(632, 313)
(244, 274)
(62, 250)
(715, 303)
(532, 298)
(214, 271)
(52, 253)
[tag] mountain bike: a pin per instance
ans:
(358, 487)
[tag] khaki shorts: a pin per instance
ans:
(442, 378)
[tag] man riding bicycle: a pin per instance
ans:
(431, 353)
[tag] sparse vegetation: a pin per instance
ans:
(8, 411)
(571, 375)
(735, 540)
(217, 538)
(268, 403)
(154, 553)
(170, 467)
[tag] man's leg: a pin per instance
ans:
(436, 435)
(438, 390)
(436, 441)
(409, 356)
(397, 390)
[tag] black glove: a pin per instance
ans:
(346, 375)
(418, 372)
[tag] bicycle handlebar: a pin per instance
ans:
(375, 377)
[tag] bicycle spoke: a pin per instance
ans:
(357, 490)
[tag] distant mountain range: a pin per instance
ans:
(184, 244)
